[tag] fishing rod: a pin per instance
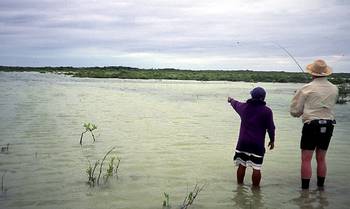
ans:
(337, 61)
(290, 55)
(296, 62)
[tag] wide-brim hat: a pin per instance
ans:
(319, 68)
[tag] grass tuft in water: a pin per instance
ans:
(113, 168)
(5, 149)
(88, 127)
(101, 165)
(110, 167)
(117, 167)
(91, 173)
(166, 202)
(191, 196)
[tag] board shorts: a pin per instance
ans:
(248, 159)
(317, 134)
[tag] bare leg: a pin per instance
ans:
(306, 171)
(240, 174)
(321, 166)
(256, 177)
(306, 156)
(321, 162)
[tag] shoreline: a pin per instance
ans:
(121, 72)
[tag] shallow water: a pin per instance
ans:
(169, 135)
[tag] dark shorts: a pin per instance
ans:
(316, 134)
(248, 159)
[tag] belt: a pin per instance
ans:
(323, 122)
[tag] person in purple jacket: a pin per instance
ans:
(256, 119)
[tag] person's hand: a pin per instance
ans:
(229, 99)
(271, 145)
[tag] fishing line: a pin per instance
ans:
(289, 54)
(338, 60)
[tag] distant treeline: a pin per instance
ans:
(175, 74)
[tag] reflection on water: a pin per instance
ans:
(169, 135)
(248, 197)
(312, 199)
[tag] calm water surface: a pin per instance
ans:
(169, 135)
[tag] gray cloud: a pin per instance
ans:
(203, 34)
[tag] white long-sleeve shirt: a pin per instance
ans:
(315, 100)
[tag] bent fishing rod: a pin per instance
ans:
(290, 55)
(296, 62)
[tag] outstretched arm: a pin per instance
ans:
(235, 104)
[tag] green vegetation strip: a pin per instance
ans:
(175, 74)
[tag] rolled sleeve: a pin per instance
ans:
(297, 104)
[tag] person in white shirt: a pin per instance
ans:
(315, 102)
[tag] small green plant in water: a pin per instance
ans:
(112, 169)
(5, 149)
(101, 165)
(117, 167)
(191, 196)
(89, 127)
(166, 203)
(91, 173)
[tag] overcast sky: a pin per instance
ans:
(185, 34)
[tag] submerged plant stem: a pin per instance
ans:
(81, 137)
(101, 165)
(93, 136)
(2, 182)
(190, 197)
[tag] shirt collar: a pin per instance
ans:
(320, 79)
(256, 102)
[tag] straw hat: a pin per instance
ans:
(319, 68)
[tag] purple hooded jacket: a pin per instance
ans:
(256, 119)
